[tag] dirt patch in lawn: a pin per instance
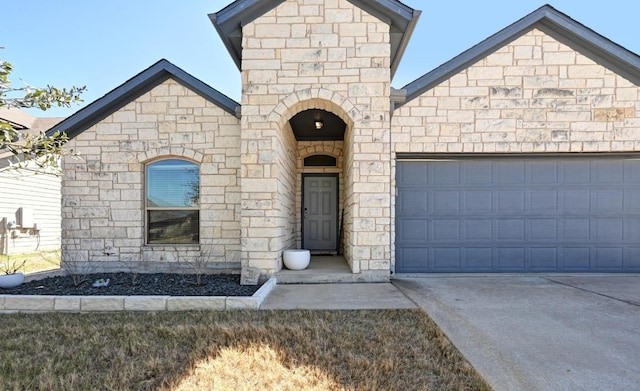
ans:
(130, 284)
(284, 350)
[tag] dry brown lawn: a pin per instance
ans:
(283, 350)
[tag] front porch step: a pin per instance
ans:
(328, 270)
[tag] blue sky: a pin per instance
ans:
(101, 44)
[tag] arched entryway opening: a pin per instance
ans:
(316, 136)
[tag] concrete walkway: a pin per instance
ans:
(336, 297)
(540, 333)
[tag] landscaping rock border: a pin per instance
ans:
(23, 303)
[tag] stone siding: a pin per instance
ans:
(534, 95)
(328, 55)
(103, 206)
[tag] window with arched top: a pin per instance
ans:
(320, 161)
(173, 202)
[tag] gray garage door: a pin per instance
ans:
(518, 215)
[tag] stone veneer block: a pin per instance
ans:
(28, 303)
(264, 291)
(181, 303)
(145, 303)
(102, 303)
(66, 303)
(235, 303)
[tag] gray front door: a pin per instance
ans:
(320, 212)
(544, 214)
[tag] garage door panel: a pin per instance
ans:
(414, 231)
(576, 258)
(607, 201)
(478, 201)
(446, 230)
(510, 229)
(631, 230)
(415, 175)
(543, 230)
(543, 259)
(605, 258)
(513, 215)
(544, 173)
(510, 172)
(510, 259)
(607, 230)
(446, 173)
(632, 171)
(510, 201)
(576, 201)
(576, 229)
(631, 258)
(412, 203)
(607, 171)
(446, 202)
(446, 259)
(412, 259)
(576, 171)
(543, 201)
(631, 201)
(478, 230)
(478, 259)
(479, 173)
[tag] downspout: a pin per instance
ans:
(397, 97)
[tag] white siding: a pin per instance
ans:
(41, 194)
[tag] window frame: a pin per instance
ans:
(148, 209)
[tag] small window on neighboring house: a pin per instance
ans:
(320, 161)
(172, 202)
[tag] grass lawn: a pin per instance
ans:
(283, 350)
(34, 262)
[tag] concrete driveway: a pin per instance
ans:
(539, 332)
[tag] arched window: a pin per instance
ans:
(320, 161)
(172, 202)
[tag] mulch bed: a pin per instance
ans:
(128, 284)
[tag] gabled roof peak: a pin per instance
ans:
(552, 22)
(133, 88)
(230, 20)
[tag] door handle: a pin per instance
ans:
(306, 213)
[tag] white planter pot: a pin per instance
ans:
(296, 259)
(11, 280)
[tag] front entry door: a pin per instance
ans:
(320, 212)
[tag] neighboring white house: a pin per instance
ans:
(29, 198)
(519, 155)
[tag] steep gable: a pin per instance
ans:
(230, 21)
(136, 86)
(550, 21)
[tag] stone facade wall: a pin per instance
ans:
(103, 206)
(316, 54)
(535, 95)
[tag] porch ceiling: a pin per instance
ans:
(304, 126)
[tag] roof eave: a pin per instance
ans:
(133, 88)
(230, 20)
(228, 43)
(552, 22)
(404, 42)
